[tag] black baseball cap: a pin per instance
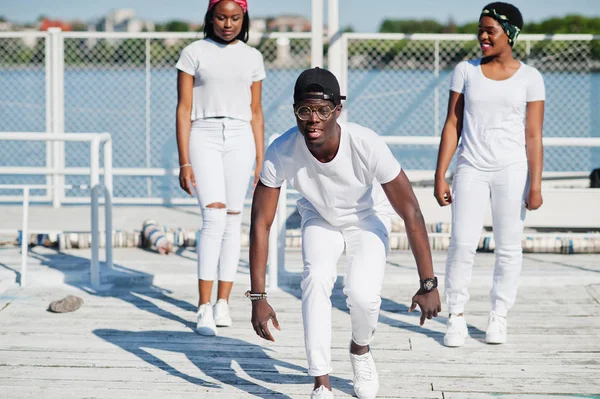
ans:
(317, 80)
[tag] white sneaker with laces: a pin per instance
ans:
(205, 322)
(221, 311)
(496, 330)
(456, 331)
(321, 393)
(366, 379)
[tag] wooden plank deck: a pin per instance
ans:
(136, 339)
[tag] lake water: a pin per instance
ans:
(141, 117)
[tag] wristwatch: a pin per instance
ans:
(429, 284)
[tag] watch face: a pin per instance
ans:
(428, 285)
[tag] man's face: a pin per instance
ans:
(315, 130)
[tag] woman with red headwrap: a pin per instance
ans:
(220, 136)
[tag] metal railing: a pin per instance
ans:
(56, 172)
(125, 83)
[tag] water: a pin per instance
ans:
(141, 117)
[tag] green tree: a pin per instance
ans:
(78, 26)
(410, 26)
(177, 26)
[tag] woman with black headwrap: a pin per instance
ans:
(496, 107)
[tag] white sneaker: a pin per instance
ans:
(321, 393)
(456, 331)
(205, 324)
(221, 310)
(496, 330)
(366, 379)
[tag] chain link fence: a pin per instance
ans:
(396, 85)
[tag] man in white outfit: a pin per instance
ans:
(350, 185)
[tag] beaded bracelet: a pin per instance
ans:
(256, 296)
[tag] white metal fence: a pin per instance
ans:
(55, 174)
(126, 84)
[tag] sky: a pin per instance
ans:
(362, 15)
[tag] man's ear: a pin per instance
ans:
(338, 110)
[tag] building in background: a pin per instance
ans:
(46, 24)
(289, 23)
(122, 20)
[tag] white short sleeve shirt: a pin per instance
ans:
(345, 190)
(493, 134)
(223, 75)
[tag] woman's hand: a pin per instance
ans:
(534, 199)
(442, 192)
(257, 171)
(187, 179)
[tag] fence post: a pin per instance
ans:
(108, 192)
(436, 98)
(56, 107)
(344, 54)
(94, 192)
(148, 116)
(334, 56)
(316, 59)
(24, 237)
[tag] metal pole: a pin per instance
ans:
(334, 57)
(436, 98)
(24, 236)
(57, 107)
(49, 54)
(344, 73)
(148, 117)
(108, 192)
(60, 115)
(316, 59)
(94, 186)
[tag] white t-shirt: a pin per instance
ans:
(493, 134)
(223, 76)
(345, 190)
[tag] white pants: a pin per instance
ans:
(222, 153)
(366, 245)
(471, 192)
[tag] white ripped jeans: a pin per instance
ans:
(222, 154)
(472, 190)
(366, 245)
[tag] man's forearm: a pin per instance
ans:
(419, 244)
(259, 249)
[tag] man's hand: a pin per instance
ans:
(262, 312)
(429, 302)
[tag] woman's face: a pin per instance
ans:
(228, 17)
(492, 38)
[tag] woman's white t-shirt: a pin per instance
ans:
(345, 190)
(493, 133)
(223, 76)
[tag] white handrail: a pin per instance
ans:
(95, 139)
(25, 222)
(462, 36)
